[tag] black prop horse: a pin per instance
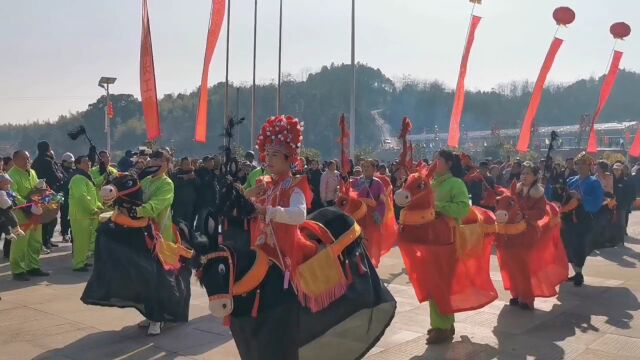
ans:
(266, 319)
(127, 273)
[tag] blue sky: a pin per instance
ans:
(52, 52)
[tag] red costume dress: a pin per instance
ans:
(530, 252)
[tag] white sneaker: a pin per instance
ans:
(154, 328)
(144, 323)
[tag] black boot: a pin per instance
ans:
(578, 279)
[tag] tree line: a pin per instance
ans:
(319, 100)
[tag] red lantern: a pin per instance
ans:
(564, 16)
(110, 110)
(620, 30)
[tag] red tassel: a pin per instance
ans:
(227, 321)
(256, 304)
(220, 239)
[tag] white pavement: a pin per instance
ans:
(46, 320)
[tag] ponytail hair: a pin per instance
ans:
(454, 161)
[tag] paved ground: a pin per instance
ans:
(46, 320)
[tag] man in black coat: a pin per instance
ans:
(46, 168)
(185, 196)
(207, 186)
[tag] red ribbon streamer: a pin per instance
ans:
(215, 25)
(148, 90)
(458, 102)
(635, 148)
(344, 145)
(529, 118)
(607, 86)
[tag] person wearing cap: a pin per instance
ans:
(207, 186)
(126, 162)
(580, 215)
(25, 251)
(67, 166)
(101, 173)
(84, 209)
(46, 168)
(250, 157)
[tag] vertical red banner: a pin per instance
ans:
(607, 87)
(215, 25)
(458, 102)
(148, 91)
(536, 96)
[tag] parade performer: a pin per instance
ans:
(445, 244)
(378, 224)
(580, 211)
(103, 171)
(530, 252)
(139, 257)
(25, 251)
(281, 198)
(84, 209)
(157, 192)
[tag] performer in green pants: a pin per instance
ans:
(84, 208)
(25, 251)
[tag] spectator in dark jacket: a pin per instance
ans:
(67, 161)
(46, 168)
(207, 186)
(126, 163)
(314, 173)
(625, 193)
(185, 192)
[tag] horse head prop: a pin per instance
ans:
(417, 194)
(349, 203)
(508, 208)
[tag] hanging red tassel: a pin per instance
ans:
(256, 305)
(227, 321)
(361, 268)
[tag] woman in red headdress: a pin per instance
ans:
(281, 198)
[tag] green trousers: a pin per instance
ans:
(438, 320)
(84, 239)
(25, 251)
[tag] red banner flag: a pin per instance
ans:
(344, 145)
(148, 91)
(529, 118)
(635, 148)
(607, 86)
(405, 155)
(215, 24)
(458, 102)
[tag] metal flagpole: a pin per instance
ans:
(278, 96)
(226, 81)
(253, 88)
(107, 125)
(352, 113)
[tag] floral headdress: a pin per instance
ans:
(283, 133)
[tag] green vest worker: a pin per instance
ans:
(25, 251)
(84, 209)
(157, 194)
(101, 173)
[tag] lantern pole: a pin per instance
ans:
(226, 80)
(278, 93)
(253, 87)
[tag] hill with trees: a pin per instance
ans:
(319, 100)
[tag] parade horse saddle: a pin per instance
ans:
(47, 200)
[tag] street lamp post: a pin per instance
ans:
(104, 83)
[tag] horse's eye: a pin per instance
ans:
(421, 186)
(222, 269)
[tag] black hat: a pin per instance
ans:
(207, 158)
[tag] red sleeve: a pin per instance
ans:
(303, 184)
